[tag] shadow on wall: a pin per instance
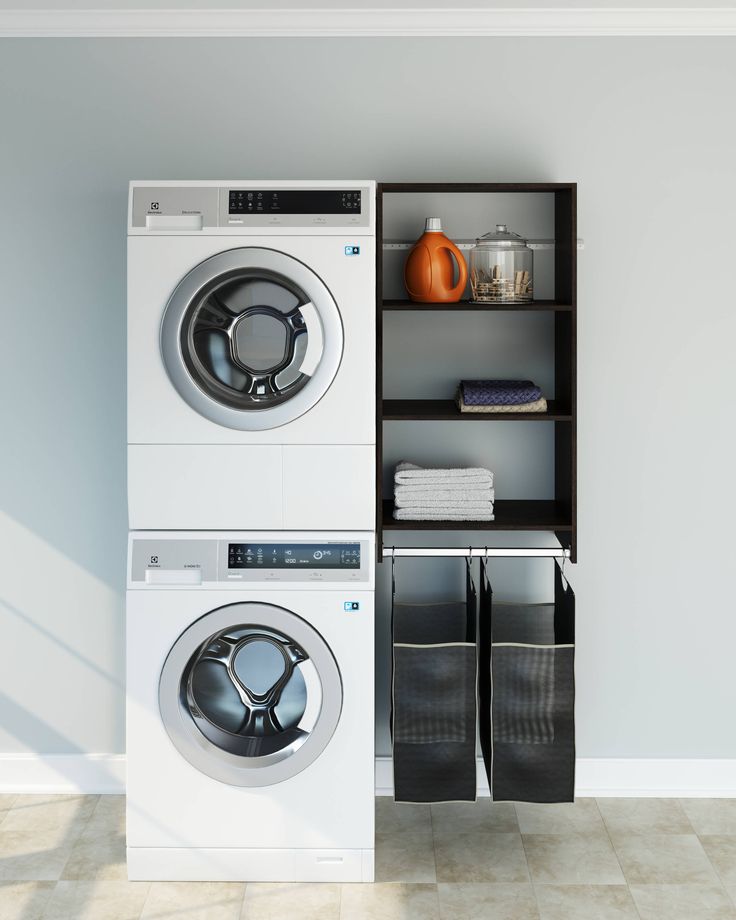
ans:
(62, 650)
(62, 375)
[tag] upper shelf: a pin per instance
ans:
(470, 305)
(469, 244)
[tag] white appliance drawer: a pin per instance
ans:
(329, 487)
(205, 487)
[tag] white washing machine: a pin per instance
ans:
(251, 355)
(250, 713)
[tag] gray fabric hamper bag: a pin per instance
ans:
(527, 696)
(433, 714)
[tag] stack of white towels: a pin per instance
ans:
(426, 494)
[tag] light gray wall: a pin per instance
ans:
(643, 125)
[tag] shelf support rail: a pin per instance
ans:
(477, 552)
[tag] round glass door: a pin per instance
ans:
(250, 694)
(251, 338)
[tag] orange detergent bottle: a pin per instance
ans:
(429, 269)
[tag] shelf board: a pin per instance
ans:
(469, 306)
(445, 410)
(510, 515)
(466, 245)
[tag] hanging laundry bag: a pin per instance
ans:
(434, 707)
(527, 694)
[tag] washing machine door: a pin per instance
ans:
(250, 694)
(251, 338)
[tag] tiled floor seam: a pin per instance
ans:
(692, 826)
(615, 853)
(434, 858)
(75, 839)
(713, 866)
(526, 859)
(528, 870)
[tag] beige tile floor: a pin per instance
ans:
(63, 858)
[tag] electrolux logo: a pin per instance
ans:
(352, 250)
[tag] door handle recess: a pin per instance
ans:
(174, 222)
(173, 576)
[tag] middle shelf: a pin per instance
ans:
(513, 514)
(446, 410)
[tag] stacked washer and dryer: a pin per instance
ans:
(251, 495)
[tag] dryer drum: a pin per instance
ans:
(251, 338)
(244, 339)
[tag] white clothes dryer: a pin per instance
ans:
(250, 711)
(251, 355)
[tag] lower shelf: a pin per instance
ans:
(446, 410)
(509, 515)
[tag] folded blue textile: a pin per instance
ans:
(499, 392)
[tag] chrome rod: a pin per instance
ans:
(477, 552)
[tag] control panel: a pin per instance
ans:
(199, 208)
(294, 201)
(171, 561)
(263, 555)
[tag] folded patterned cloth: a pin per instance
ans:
(405, 499)
(539, 405)
(499, 392)
(409, 474)
(428, 513)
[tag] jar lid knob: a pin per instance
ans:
(501, 228)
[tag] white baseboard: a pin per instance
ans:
(63, 773)
(600, 777)
(413, 21)
(607, 777)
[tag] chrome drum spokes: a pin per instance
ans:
(245, 694)
(251, 338)
(248, 703)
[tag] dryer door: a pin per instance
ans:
(250, 694)
(251, 338)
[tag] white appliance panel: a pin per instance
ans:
(157, 414)
(332, 485)
(172, 804)
(317, 825)
(205, 486)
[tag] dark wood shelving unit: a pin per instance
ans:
(445, 410)
(509, 515)
(467, 305)
(558, 515)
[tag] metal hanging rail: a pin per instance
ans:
(389, 245)
(477, 552)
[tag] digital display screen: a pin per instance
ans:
(293, 556)
(294, 201)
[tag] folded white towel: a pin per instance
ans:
(480, 499)
(411, 474)
(428, 488)
(432, 514)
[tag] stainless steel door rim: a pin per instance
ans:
(253, 398)
(267, 752)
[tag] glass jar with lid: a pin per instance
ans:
(501, 268)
